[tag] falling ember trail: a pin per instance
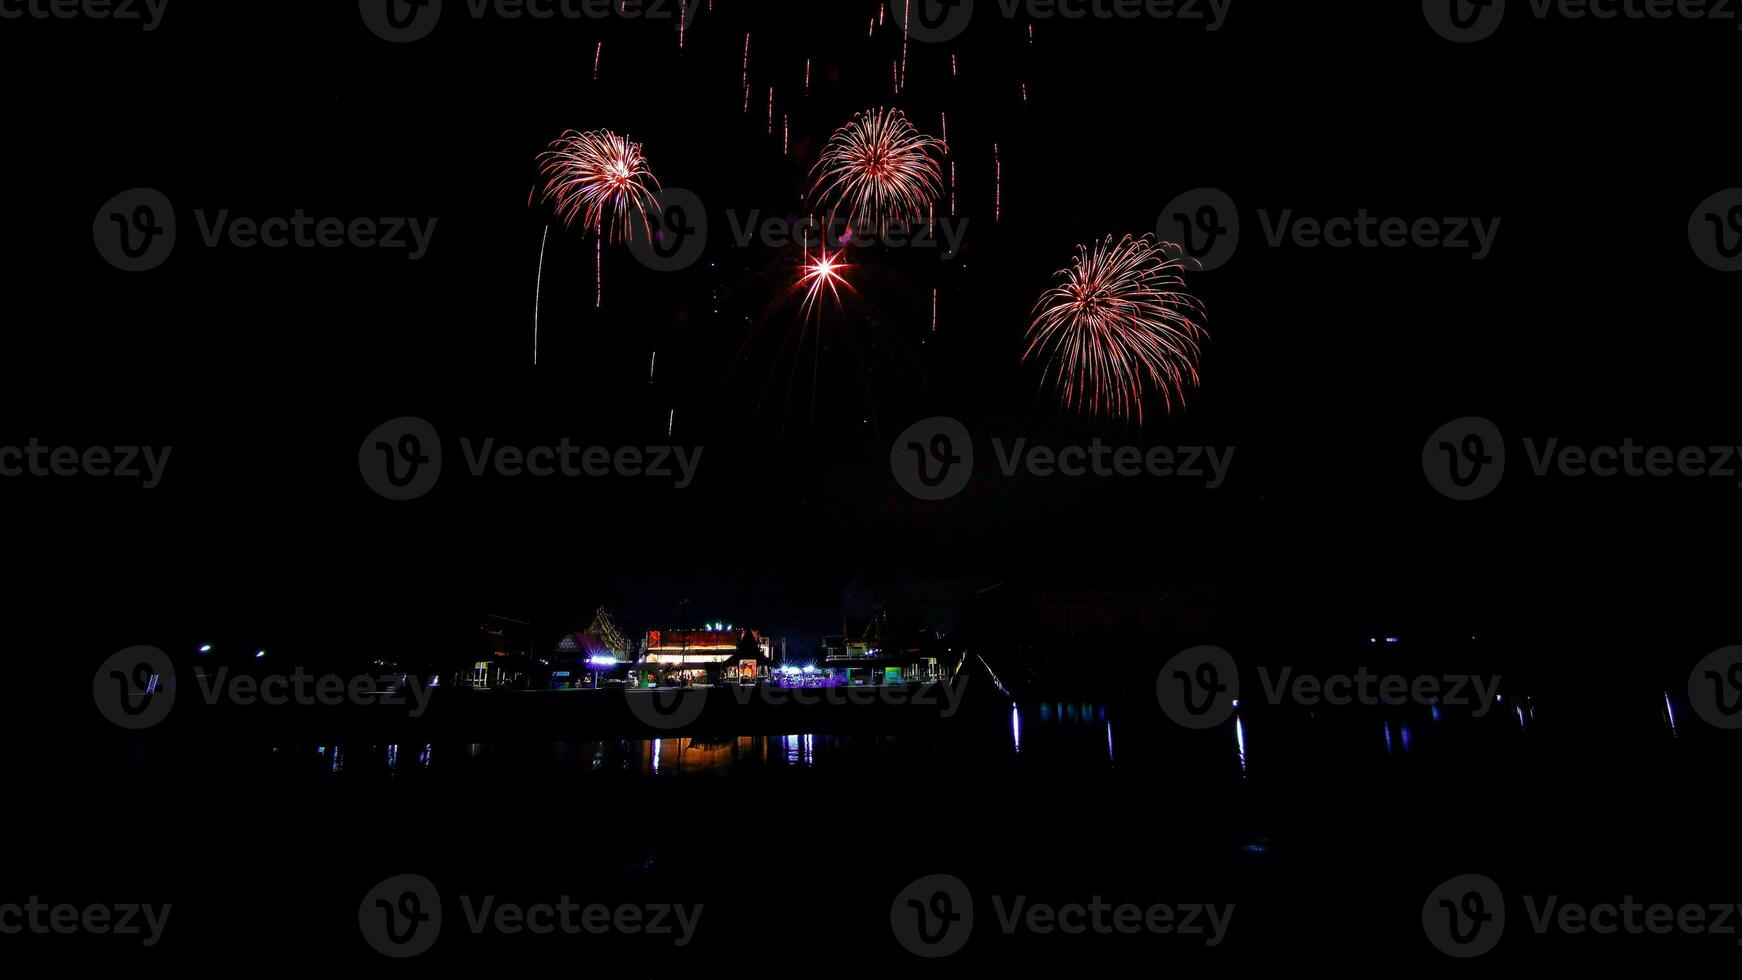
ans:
(538, 294)
(998, 185)
(598, 53)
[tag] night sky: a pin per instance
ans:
(1591, 321)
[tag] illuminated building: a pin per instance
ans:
(714, 653)
(599, 653)
(877, 651)
(503, 658)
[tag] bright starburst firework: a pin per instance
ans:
(820, 273)
(600, 178)
(879, 170)
(1117, 326)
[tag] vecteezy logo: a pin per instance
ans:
(668, 708)
(401, 459)
(402, 916)
(1205, 223)
(933, 21)
(1715, 688)
(135, 230)
(1464, 21)
(1465, 458)
(933, 917)
(400, 21)
(1715, 231)
(933, 459)
(673, 234)
(1199, 688)
(1465, 916)
(135, 688)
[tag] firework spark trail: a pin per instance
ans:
(746, 74)
(1118, 326)
(538, 294)
(598, 53)
(880, 170)
(600, 178)
(997, 185)
(906, 36)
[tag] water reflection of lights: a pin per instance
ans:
(1240, 741)
(800, 749)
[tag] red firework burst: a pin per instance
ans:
(879, 170)
(1118, 326)
(600, 178)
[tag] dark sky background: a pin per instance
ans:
(1592, 321)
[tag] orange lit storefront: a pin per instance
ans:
(711, 655)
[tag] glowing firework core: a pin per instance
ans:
(880, 170)
(598, 177)
(823, 272)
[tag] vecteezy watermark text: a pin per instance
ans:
(402, 21)
(112, 462)
(136, 231)
(1465, 916)
(402, 460)
(933, 459)
(328, 690)
(402, 917)
(148, 14)
(1207, 463)
(1465, 459)
(136, 688)
(672, 708)
(42, 918)
(1206, 223)
(934, 917)
(1466, 21)
(1200, 688)
(946, 233)
(937, 21)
